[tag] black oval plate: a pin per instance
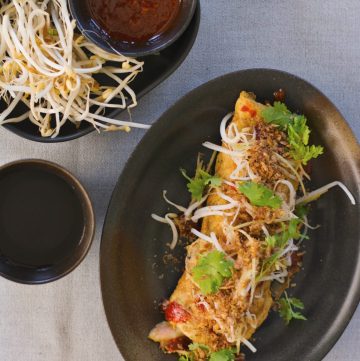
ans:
(156, 69)
(133, 276)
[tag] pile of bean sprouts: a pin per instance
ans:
(45, 65)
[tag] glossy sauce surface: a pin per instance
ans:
(41, 218)
(134, 21)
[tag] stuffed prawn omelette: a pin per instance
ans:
(249, 220)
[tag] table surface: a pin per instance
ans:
(319, 41)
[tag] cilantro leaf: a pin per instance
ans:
(279, 241)
(271, 241)
(287, 306)
(268, 265)
(297, 130)
(223, 355)
(211, 271)
(295, 302)
(186, 358)
(197, 185)
(190, 356)
(305, 153)
(193, 346)
(298, 137)
(278, 114)
(291, 231)
(301, 210)
(259, 195)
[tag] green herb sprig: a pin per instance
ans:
(222, 355)
(287, 308)
(288, 232)
(202, 179)
(279, 241)
(297, 130)
(260, 195)
(211, 270)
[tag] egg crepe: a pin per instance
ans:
(254, 153)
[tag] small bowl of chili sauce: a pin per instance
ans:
(133, 27)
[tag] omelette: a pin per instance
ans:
(247, 219)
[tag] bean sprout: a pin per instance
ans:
(50, 69)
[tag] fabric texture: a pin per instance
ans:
(317, 40)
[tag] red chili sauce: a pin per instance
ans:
(134, 21)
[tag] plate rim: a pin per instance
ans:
(352, 298)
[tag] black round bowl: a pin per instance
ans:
(156, 69)
(46, 222)
(90, 29)
(134, 278)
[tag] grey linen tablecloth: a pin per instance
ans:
(317, 40)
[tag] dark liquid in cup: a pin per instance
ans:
(41, 218)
